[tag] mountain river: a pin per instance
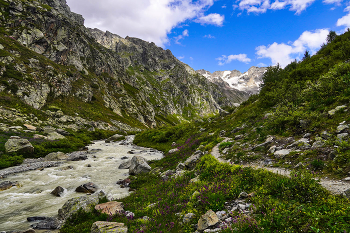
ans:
(32, 196)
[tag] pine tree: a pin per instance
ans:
(331, 36)
(306, 55)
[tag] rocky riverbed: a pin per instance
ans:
(35, 180)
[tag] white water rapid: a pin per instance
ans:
(32, 197)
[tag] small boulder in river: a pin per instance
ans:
(56, 156)
(7, 185)
(114, 138)
(47, 224)
(138, 165)
(87, 188)
(58, 191)
(77, 156)
(17, 144)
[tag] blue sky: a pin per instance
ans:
(222, 34)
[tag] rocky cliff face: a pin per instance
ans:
(249, 81)
(48, 57)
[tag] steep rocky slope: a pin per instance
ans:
(48, 58)
(249, 81)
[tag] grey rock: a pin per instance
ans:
(125, 165)
(114, 138)
(318, 144)
(7, 185)
(55, 136)
(173, 151)
(87, 188)
(221, 214)
(108, 227)
(272, 150)
(191, 162)
(243, 195)
(302, 144)
(73, 205)
(47, 224)
(139, 165)
(347, 193)
(207, 220)
(325, 135)
(342, 129)
(282, 153)
(63, 132)
(18, 145)
(307, 135)
(341, 136)
(77, 156)
(58, 191)
(56, 156)
(333, 111)
(187, 218)
(180, 167)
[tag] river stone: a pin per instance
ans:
(114, 138)
(18, 145)
(110, 208)
(56, 156)
(108, 227)
(7, 185)
(87, 188)
(73, 205)
(207, 220)
(47, 224)
(58, 191)
(139, 165)
(191, 162)
(125, 165)
(77, 156)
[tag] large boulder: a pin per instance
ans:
(125, 165)
(138, 165)
(207, 220)
(85, 203)
(191, 162)
(108, 227)
(17, 144)
(56, 156)
(77, 156)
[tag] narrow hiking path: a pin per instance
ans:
(334, 186)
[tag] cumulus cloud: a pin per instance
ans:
(332, 1)
(345, 20)
(214, 19)
(228, 59)
(261, 6)
(285, 53)
(151, 20)
(180, 37)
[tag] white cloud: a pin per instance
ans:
(261, 6)
(332, 1)
(345, 20)
(261, 65)
(215, 19)
(285, 53)
(150, 20)
(181, 57)
(209, 36)
(228, 59)
(180, 37)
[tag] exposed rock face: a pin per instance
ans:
(139, 80)
(16, 144)
(138, 165)
(249, 81)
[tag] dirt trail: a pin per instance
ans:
(334, 186)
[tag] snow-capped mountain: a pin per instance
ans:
(249, 81)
